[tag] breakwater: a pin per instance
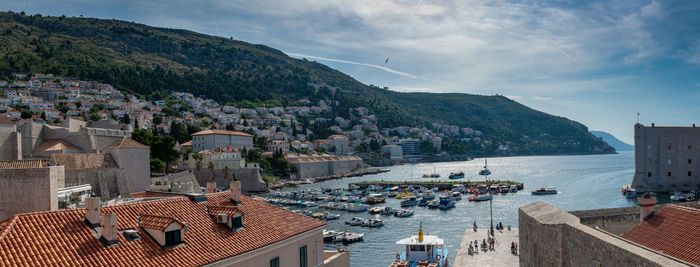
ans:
(442, 185)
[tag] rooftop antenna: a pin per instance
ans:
(637, 117)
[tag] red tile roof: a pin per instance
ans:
(228, 210)
(156, 222)
(127, 142)
(63, 238)
(22, 164)
(224, 132)
(56, 145)
(674, 230)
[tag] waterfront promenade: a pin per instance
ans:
(500, 256)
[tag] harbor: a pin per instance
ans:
(572, 176)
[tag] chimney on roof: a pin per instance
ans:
(236, 192)
(646, 206)
(211, 187)
(108, 223)
(92, 211)
(652, 125)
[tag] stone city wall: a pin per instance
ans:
(552, 237)
(28, 190)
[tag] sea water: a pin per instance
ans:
(583, 182)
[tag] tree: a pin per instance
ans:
(157, 165)
(210, 166)
(125, 119)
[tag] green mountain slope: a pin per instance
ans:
(152, 61)
(613, 141)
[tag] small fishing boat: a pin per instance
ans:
(423, 203)
(329, 235)
(493, 188)
(482, 189)
(402, 195)
(347, 238)
(354, 207)
(456, 175)
(428, 195)
(375, 199)
(376, 210)
(455, 196)
(422, 250)
(355, 221)
(388, 210)
(446, 203)
(544, 191)
(403, 213)
(679, 196)
(503, 188)
(432, 175)
(372, 223)
(513, 189)
(409, 201)
(478, 198)
(434, 204)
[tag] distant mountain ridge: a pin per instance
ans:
(613, 141)
(153, 61)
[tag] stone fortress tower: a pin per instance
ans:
(666, 158)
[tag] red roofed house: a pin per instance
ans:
(210, 139)
(222, 229)
(674, 230)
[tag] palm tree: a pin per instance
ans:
(210, 166)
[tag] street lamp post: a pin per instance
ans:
(491, 207)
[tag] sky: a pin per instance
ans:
(596, 62)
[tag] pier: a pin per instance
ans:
(500, 256)
(442, 185)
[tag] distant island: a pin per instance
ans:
(613, 141)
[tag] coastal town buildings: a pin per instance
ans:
(395, 152)
(666, 158)
(221, 158)
(221, 229)
(211, 139)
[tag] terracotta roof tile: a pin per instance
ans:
(228, 210)
(224, 132)
(55, 145)
(21, 164)
(674, 230)
(62, 238)
(156, 222)
(126, 142)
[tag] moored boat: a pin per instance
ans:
(357, 207)
(372, 223)
(403, 213)
(485, 171)
(354, 221)
(388, 210)
(478, 198)
(513, 189)
(409, 201)
(423, 202)
(446, 203)
(434, 204)
(428, 250)
(347, 238)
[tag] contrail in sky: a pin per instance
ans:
(356, 63)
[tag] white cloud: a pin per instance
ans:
(355, 63)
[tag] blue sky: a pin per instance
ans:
(596, 62)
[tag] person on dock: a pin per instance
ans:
(474, 226)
